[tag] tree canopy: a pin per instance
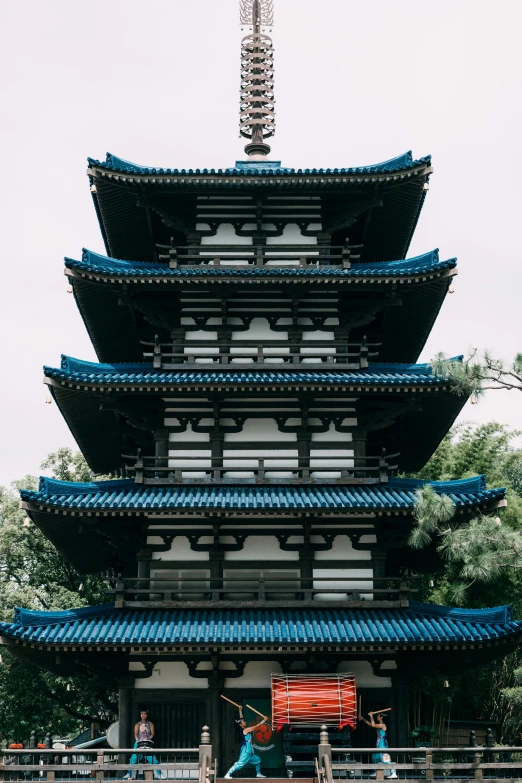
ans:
(479, 373)
(479, 567)
(35, 576)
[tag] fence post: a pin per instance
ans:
(205, 754)
(100, 774)
(429, 764)
(324, 748)
(474, 758)
(489, 742)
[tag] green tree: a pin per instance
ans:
(480, 372)
(486, 547)
(479, 566)
(34, 575)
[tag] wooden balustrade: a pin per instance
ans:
(86, 764)
(351, 356)
(365, 470)
(229, 256)
(227, 592)
(95, 764)
(417, 765)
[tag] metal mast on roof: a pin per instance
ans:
(257, 111)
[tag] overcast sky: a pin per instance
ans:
(156, 82)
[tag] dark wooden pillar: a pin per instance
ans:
(215, 686)
(161, 441)
(359, 451)
(125, 714)
(379, 563)
(306, 561)
(178, 342)
(217, 440)
(304, 440)
(400, 690)
(216, 558)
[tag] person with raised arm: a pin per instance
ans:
(247, 755)
(377, 722)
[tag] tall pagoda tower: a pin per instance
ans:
(257, 329)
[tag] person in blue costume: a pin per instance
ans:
(143, 737)
(247, 755)
(377, 722)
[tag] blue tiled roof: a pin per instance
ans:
(379, 374)
(256, 169)
(126, 494)
(417, 624)
(428, 263)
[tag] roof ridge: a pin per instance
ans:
(397, 163)
(424, 260)
(71, 364)
(52, 486)
(490, 616)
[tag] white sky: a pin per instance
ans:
(157, 82)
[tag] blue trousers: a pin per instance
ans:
(247, 756)
(141, 758)
(377, 757)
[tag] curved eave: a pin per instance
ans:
(99, 433)
(339, 629)
(90, 523)
(97, 281)
(394, 167)
(103, 269)
(125, 495)
(255, 381)
(89, 530)
(129, 232)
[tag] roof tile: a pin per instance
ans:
(126, 494)
(144, 373)
(268, 168)
(428, 263)
(416, 624)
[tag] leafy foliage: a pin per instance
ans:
(34, 575)
(481, 549)
(432, 511)
(480, 567)
(480, 372)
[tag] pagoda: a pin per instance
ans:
(257, 329)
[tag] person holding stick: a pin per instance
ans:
(246, 755)
(377, 722)
(143, 739)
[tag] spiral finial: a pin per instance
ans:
(257, 110)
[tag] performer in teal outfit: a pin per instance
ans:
(143, 736)
(378, 724)
(247, 755)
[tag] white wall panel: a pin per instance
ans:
(180, 549)
(364, 676)
(257, 674)
(261, 548)
(348, 579)
(342, 549)
(259, 430)
(168, 674)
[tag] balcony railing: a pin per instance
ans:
(325, 353)
(229, 592)
(417, 765)
(251, 469)
(302, 255)
(75, 764)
